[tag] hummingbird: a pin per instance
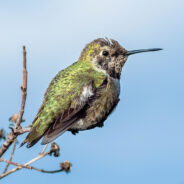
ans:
(83, 95)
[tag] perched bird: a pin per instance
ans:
(82, 96)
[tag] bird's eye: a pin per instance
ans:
(105, 53)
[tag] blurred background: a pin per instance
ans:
(142, 141)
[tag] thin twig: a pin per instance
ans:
(12, 136)
(44, 149)
(23, 90)
(11, 156)
(45, 171)
(22, 130)
(25, 165)
(30, 167)
(65, 166)
(14, 163)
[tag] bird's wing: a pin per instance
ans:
(71, 115)
(64, 103)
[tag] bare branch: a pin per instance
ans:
(11, 156)
(26, 164)
(54, 150)
(22, 130)
(45, 171)
(14, 163)
(12, 135)
(23, 90)
(65, 166)
(44, 149)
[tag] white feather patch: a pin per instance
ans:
(86, 93)
(80, 122)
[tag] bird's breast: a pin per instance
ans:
(100, 107)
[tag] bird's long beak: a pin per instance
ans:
(142, 50)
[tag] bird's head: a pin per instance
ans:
(108, 56)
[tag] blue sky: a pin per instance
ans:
(142, 141)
